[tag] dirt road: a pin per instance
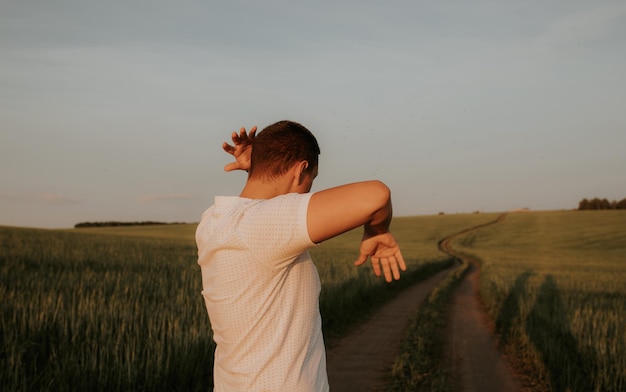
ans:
(359, 361)
(471, 350)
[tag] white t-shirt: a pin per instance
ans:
(261, 290)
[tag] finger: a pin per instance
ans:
(242, 134)
(394, 268)
(362, 259)
(228, 148)
(400, 259)
(235, 137)
(252, 132)
(386, 268)
(231, 166)
(376, 265)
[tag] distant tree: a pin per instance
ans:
(116, 223)
(594, 204)
(584, 204)
(601, 204)
(598, 204)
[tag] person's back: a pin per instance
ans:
(260, 286)
(261, 290)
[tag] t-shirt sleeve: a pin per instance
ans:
(276, 229)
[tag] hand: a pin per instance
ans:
(383, 250)
(241, 149)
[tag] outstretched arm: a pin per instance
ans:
(241, 149)
(336, 210)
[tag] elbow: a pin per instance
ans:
(381, 210)
(382, 192)
(380, 195)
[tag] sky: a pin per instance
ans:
(116, 110)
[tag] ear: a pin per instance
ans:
(300, 169)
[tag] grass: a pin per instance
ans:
(554, 284)
(181, 232)
(90, 312)
(120, 308)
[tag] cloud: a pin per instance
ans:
(49, 198)
(588, 25)
(164, 197)
(56, 199)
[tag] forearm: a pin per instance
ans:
(379, 245)
(380, 220)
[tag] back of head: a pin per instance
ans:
(281, 145)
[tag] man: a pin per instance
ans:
(260, 286)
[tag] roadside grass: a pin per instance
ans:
(420, 365)
(120, 308)
(555, 285)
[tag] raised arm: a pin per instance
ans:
(336, 210)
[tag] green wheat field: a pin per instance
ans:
(554, 283)
(120, 308)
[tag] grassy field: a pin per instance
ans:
(120, 308)
(555, 285)
(100, 312)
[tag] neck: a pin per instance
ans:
(264, 189)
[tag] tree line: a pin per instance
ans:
(117, 223)
(601, 204)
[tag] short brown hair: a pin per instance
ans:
(281, 145)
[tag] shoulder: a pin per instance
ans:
(287, 201)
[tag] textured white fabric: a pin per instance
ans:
(261, 292)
